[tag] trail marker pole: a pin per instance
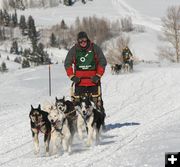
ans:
(49, 79)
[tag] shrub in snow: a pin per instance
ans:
(14, 48)
(126, 24)
(3, 67)
(25, 63)
(18, 60)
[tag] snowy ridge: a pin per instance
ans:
(125, 10)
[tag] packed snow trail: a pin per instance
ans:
(142, 118)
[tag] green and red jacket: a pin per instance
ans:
(85, 63)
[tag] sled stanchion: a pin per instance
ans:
(49, 79)
(74, 96)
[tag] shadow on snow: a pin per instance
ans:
(118, 125)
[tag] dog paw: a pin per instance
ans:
(56, 156)
(36, 152)
(69, 150)
(88, 144)
(47, 154)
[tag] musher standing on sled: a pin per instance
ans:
(85, 64)
(127, 57)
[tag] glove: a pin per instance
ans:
(95, 79)
(75, 79)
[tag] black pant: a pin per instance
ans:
(82, 90)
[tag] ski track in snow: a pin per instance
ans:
(142, 108)
(131, 117)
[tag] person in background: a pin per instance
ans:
(127, 57)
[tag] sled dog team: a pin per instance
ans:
(60, 121)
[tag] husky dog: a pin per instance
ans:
(67, 107)
(40, 123)
(91, 118)
(116, 68)
(126, 67)
(60, 133)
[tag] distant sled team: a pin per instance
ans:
(126, 62)
(59, 122)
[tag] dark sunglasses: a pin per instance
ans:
(82, 40)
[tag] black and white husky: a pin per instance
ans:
(91, 118)
(60, 133)
(39, 123)
(67, 107)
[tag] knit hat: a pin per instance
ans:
(82, 34)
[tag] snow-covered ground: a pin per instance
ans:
(142, 118)
(142, 108)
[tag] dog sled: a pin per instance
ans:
(75, 97)
(96, 97)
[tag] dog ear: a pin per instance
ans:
(56, 98)
(63, 98)
(32, 107)
(39, 107)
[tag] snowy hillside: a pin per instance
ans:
(113, 10)
(142, 118)
(142, 107)
(153, 8)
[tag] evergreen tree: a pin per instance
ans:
(7, 18)
(18, 60)
(14, 48)
(1, 17)
(20, 4)
(3, 67)
(14, 19)
(43, 56)
(22, 24)
(83, 1)
(53, 41)
(27, 54)
(63, 25)
(25, 63)
(32, 33)
(68, 2)
(3, 34)
(21, 50)
(12, 4)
